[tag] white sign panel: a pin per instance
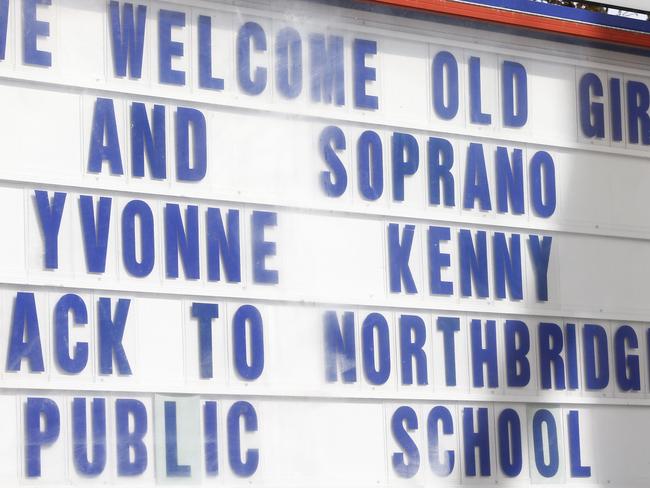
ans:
(290, 244)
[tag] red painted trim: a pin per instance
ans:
(518, 19)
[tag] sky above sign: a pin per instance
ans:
(641, 5)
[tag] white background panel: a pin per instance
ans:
(41, 129)
(10, 469)
(332, 253)
(78, 19)
(13, 259)
(406, 59)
